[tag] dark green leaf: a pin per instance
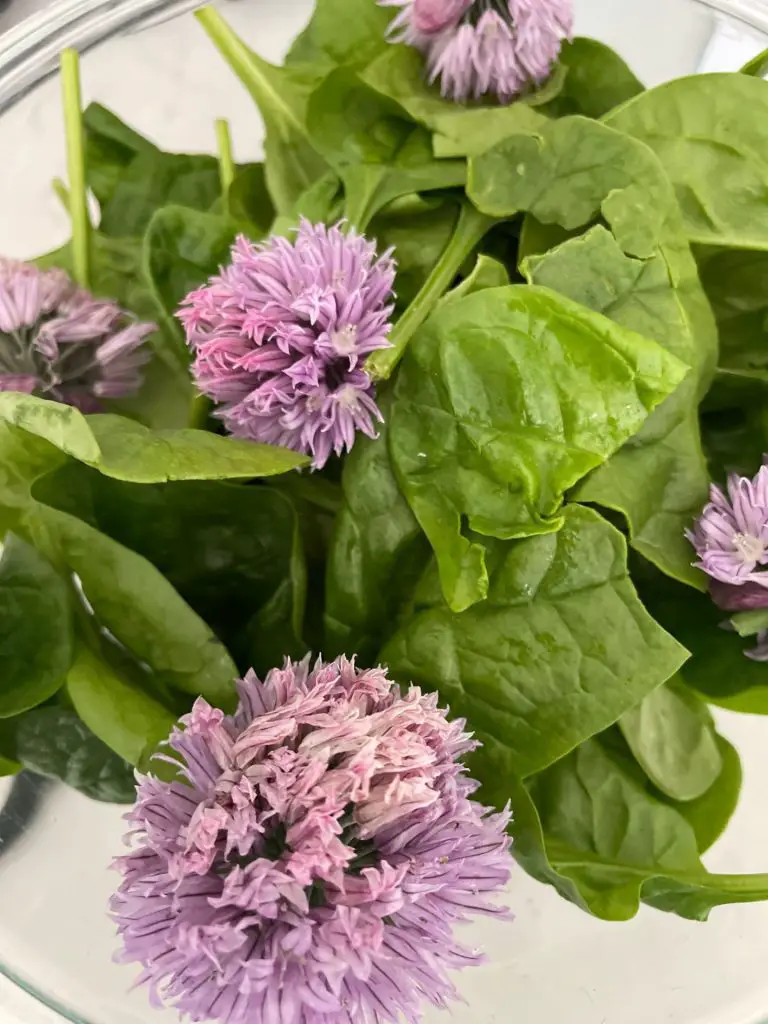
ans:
(706, 131)
(249, 200)
(342, 32)
(377, 151)
(507, 397)
(56, 743)
(597, 80)
(672, 736)
(140, 608)
(736, 284)
(35, 628)
(559, 651)
(111, 146)
(118, 713)
(291, 161)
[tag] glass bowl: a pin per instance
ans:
(150, 62)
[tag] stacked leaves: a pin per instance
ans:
(581, 345)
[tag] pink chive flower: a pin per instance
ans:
(59, 342)
(313, 863)
(481, 47)
(281, 334)
(731, 534)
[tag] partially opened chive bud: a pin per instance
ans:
(281, 334)
(478, 48)
(312, 865)
(59, 342)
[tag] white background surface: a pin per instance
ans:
(554, 965)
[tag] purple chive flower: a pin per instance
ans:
(59, 342)
(479, 47)
(280, 336)
(311, 867)
(731, 534)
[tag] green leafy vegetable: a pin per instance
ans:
(709, 815)
(349, 32)
(56, 743)
(596, 80)
(35, 628)
(672, 736)
(507, 398)
(559, 651)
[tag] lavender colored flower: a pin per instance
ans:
(731, 534)
(59, 342)
(280, 336)
(311, 867)
(479, 47)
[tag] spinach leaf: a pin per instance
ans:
(597, 80)
(399, 73)
(736, 284)
(126, 450)
(292, 163)
(706, 131)
(758, 66)
(506, 398)
(181, 250)
(616, 843)
(23, 459)
(559, 651)
(56, 743)
(140, 608)
(349, 32)
(376, 555)
(118, 713)
(672, 736)
(248, 560)
(249, 201)
(35, 628)
(734, 441)
(377, 152)
(111, 146)
(710, 813)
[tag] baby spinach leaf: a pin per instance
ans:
(182, 248)
(140, 608)
(23, 459)
(597, 80)
(736, 284)
(118, 713)
(54, 742)
(559, 651)
(507, 397)
(111, 146)
(710, 813)
(399, 73)
(609, 836)
(349, 32)
(126, 450)
(377, 152)
(248, 553)
(376, 555)
(249, 200)
(672, 736)
(758, 66)
(292, 163)
(35, 628)
(706, 131)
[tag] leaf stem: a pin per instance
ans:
(226, 158)
(62, 192)
(78, 196)
(471, 226)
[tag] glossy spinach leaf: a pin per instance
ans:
(377, 553)
(56, 743)
(706, 131)
(35, 628)
(249, 201)
(672, 736)
(506, 398)
(111, 146)
(126, 450)
(597, 80)
(247, 579)
(350, 32)
(140, 608)
(292, 162)
(117, 712)
(460, 129)
(376, 150)
(559, 651)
